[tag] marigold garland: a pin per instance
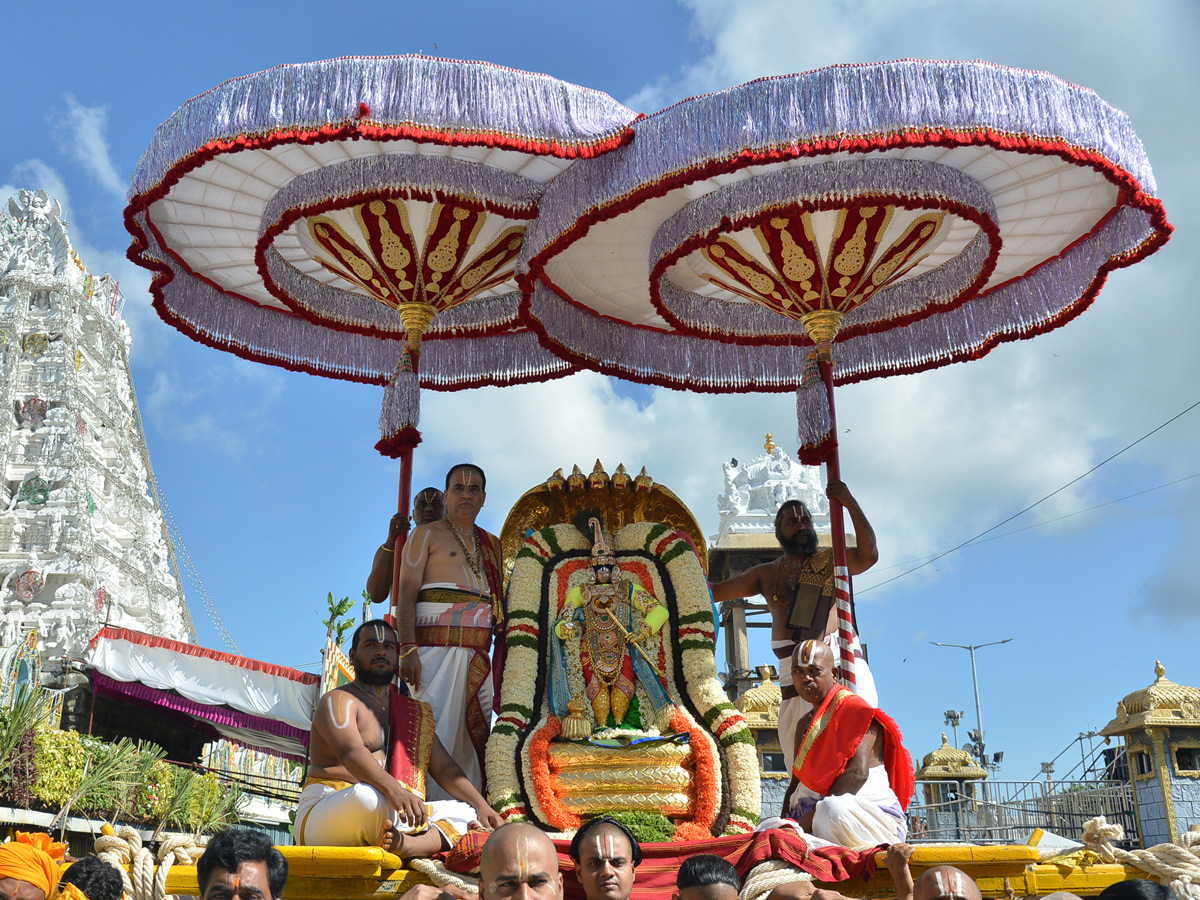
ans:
(543, 779)
(705, 784)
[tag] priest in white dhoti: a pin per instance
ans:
(852, 779)
(370, 754)
(451, 596)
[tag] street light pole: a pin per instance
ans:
(971, 648)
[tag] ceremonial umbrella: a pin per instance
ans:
(898, 216)
(326, 217)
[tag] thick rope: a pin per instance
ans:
(440, 876)
(118, 848)
(123, 848)
(767, 876)
(1175, 865)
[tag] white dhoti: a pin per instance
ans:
(792, 709)
(871, 817)
(358, 815)
(454, 676)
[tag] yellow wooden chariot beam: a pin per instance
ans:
(367, 873)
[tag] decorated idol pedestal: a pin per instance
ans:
(610, 700)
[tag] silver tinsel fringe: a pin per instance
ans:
(695, 363)
(375, 175)
(401, 399)
(436, 94)
(837, 180)
(840, 103)
(284, 339)
(351, 308)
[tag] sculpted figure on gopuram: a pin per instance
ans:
(601, 616)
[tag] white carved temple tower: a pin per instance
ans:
(82, 539)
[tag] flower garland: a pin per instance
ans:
(549, 564)
(557, 815)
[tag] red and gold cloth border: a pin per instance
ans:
(655, 877)
(412, 731)
(837, 729)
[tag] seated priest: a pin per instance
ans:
(371, 750)
(852, 778)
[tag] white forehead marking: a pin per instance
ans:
(808, 651)
(379, 633)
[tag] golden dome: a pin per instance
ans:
(760, 705)
(765, 697)
(1162, 703)
(948, 763)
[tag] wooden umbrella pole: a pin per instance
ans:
(822, 326)
(841, 571)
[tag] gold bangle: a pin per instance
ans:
(409, 651)
(387, 548)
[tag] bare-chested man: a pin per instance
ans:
(428, 506)
(799, 591)
(370, 751)
(450, 600)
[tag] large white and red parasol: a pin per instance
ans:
(326, 217)
(790, 233)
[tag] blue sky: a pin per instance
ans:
(281, 498)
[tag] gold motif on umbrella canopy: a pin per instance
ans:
(805, 270)
(387, 259)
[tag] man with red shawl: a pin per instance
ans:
(852, 779)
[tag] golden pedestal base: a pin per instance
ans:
(648, 778)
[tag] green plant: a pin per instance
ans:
(107, 777)
(28, 707)
(336, 626)
(647, 827)
(61, 759)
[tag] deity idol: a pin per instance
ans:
(601, 615)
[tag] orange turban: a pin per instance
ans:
(22, 860)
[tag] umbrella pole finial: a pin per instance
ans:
(822, 326)
(416, 316)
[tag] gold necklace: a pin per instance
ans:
(475, 567)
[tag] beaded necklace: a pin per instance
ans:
(476, 566)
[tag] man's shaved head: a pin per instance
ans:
(519, 860)
(944, 883)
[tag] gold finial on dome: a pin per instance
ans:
(948, 762)
(1163, 702)
(770, 444)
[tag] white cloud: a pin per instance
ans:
(82, 136)
(200, 411)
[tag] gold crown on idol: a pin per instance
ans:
(603, 546)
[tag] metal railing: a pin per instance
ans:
(1006, 812)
